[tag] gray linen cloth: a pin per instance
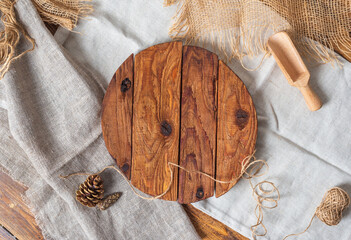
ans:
(50, 126)
(307, 152)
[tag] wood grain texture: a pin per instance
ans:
(5, 235)
(116, 117)
(198, 123)
(237, 127)
(15, 215)
(156, 117)
(209, 228)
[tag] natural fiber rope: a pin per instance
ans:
(10, 36)
(258, 66)
(250, 169)
(335, 200)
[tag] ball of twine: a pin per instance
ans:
(332, 205)
(329, 211)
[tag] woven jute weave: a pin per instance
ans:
(242, 27)
(60, 12)
(63, 12)
(10, 36)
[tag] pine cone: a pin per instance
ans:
(108, 201)
(91, 191)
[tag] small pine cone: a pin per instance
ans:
(91, 191)
(108, 201)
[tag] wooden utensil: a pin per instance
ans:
(292, 66)
(182, 105)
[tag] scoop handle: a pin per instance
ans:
(312, 100)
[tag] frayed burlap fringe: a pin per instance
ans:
(60, 12)
(10, 36)
(63, 12)
(239, 28)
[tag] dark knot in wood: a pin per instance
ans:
(200, 193)
(242, 117)
(125, 167)
(166, 128)
(125, 85)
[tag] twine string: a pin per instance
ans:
(329, 211)
(246, 164)
(260, 194)
(296, 234)
(249, 170)
(258, 66)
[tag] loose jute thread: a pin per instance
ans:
(60, 12)
(329, 211)
(250, 169)
(10, 36)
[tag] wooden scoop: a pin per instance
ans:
(294, 69)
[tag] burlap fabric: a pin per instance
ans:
(242, 27)
(60, 12)
(63, 12)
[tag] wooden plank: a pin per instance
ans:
(156, 117)
(15, 215)
(237, 127)
(198, 123)
(116, 117)
(209, 228)
(5, 235)
(124, 88)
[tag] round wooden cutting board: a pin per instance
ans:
(179, 104)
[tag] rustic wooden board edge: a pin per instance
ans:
(160, 67)
(5, 234)
(209, 228)
(106, 102)
(198, 131)
(125, 79)
(117, 111)
(16, 216)
(243, 119)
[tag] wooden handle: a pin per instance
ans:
(294, 69)
(312, 100)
